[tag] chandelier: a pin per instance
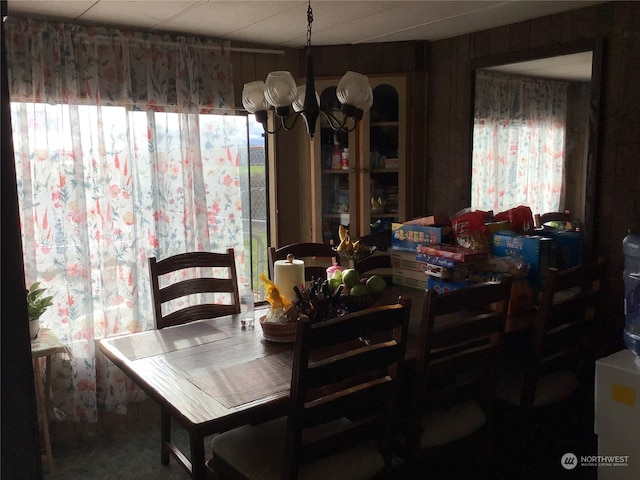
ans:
(279, 91)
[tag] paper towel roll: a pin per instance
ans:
(288, 275)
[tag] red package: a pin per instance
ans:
(521, 218)
(469, 229)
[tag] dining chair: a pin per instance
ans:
(453, 386)
(341, 407)
(561, 360)
(563, 217)
(188, 282)
(317, 257)
(378, 264)
(380, 240)
(182, 287)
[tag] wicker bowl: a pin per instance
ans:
(353, 304)
(281, 332)
(356, 256)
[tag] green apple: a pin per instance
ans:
(376, 284)
(350, 277)
(358, 290)
(334, 283)
(337, 275)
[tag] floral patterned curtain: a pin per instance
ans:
(518, 143)
(122, 153)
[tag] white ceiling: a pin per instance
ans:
(575, 67)
(284, 23)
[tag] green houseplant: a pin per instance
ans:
(37, 304)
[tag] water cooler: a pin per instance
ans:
(617, 389)
(617, 416)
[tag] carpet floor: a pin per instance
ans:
(131, 452)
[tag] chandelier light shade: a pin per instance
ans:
(280, 93)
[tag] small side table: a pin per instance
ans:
(45, 344)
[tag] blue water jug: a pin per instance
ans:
(631, 250)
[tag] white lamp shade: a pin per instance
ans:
(253, 97)
(354, 89)
(280, 89)
(298, 103)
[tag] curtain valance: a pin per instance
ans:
(518, 98)
(67, 63)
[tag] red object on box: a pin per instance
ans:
(454, 252)
(521, 218)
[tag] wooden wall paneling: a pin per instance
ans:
(417, 146)
(594, 21)
(545, 31)
(244, 71)
(330, 61)
(519, 34)
(463, 114)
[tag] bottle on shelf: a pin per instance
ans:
(336, 154)
(344, 160)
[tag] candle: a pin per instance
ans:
(288, 274)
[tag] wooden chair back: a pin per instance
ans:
(345, 368)
(378, 264)
(564, 217)
(567, 318)
(459, 345)
(187, 274)
(382, 240)
(317, 257)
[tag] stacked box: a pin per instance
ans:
(536, 250)
(455, 253)
(443, 286)
(406, 261)
(409, 278)
(407, 270)
(568, 246)
(407, 236)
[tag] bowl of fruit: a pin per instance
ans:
(357, 292)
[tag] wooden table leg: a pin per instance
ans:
(198, 467)
(165, 434)
(44, 406)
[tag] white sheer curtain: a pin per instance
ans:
(518, 143)
(122, 152)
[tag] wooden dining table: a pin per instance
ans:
(214, 375)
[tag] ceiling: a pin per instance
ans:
(283, 23)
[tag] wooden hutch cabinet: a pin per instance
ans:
(359, 178)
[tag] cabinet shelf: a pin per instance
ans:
(379, 137)
(384, 124)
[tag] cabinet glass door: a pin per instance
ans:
(363, 189)
(386, 159)
(336, 175)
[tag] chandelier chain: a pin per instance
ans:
(309, 22)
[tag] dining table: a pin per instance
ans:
(214, 375)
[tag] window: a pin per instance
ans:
(518, 143)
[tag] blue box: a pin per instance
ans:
(406, 237)
(435, 260)
(536, 250)
(443, 286)
(568, 246)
